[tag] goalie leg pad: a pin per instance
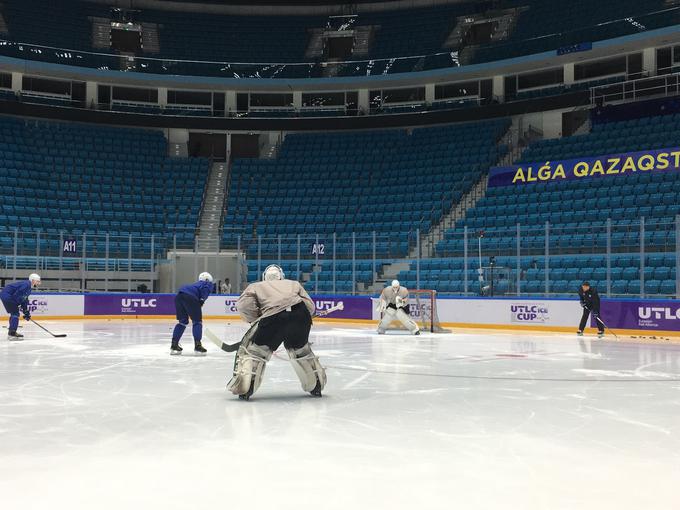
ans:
(249, 369)
(406, 321)
(308, 368)
(388, 317)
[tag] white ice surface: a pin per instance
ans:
(107, 419)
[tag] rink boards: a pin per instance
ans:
(503, 313)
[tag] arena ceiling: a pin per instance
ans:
(283, 7)
(349, 4)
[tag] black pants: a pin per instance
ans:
(584, 321)
(187, 306)
(406, 308)
(290, 328)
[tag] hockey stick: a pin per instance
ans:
(597, 318)
(62, 335)
(606, 327)
(219, 343)
(233, 347)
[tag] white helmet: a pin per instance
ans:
(273, 272)
(395, 284)
(205, 277)
(33, 278)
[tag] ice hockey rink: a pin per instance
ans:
(106, 418)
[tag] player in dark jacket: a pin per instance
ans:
(188, 303)
(14, 297)
(590, 301)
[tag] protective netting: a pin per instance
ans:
(423, 310)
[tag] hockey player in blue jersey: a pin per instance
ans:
(15, 297)
(188, 303)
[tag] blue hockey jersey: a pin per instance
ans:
(17, 293)
(199, 290)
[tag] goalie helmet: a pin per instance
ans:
(205, 277)
(34, 278)
(395, 284)
(273, 272)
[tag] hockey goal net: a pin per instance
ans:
(423, 310)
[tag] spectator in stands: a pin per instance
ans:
(226, 286)
(590, 301)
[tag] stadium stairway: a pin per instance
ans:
(208, 238)
(429, 240)
(362, 193)
(577, 239)
(469, 200)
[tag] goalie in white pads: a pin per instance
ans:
(280, 311)
(394, 306)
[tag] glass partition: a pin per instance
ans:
(620, 257)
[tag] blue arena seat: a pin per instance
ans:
(365, 196)
(148, 194)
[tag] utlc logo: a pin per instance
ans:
(325, 305)
(230, 305)
(529, 312)
(654, 312)
(35, 304)
(138, 303)
(419, 311)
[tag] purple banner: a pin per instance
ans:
(356, 307)
(615, 166)
(129, 304)
(661, 315)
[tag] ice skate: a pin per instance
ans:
(246, 396)
(175, 350)
(316, 392)
(13, 336)
(199, 350)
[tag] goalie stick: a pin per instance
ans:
(234, 347)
